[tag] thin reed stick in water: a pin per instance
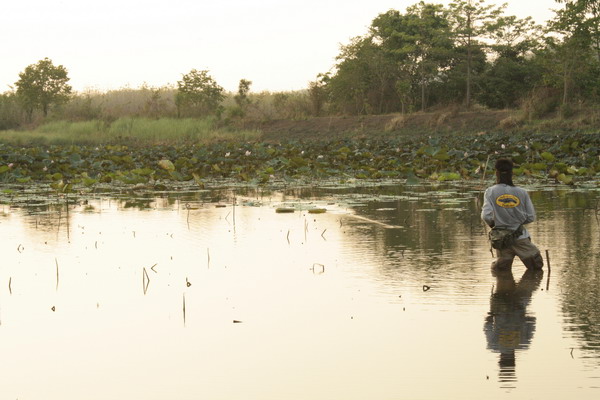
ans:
(234, 210)
(208, 256)
(9, 285)
(58, 228)
(145, 280)
(485, 168)
(184, 309)
(549, 270)
(187, 206)
(56, 262)
(305, 229)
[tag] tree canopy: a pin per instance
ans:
(198, 94)
(469, 51)
(42, 85)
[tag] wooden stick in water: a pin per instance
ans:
(184, 309)
(485, 168)
(549, 270)
(56, 262)
(145, 280)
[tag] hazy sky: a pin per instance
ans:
(277, 44)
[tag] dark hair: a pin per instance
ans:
(504, 169)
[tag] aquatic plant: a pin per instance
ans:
(567, 159)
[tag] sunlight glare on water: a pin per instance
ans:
(387, 294)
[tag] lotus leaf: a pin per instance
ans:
(566, 179)
(448, 176)
(166, 165)
(549, 157)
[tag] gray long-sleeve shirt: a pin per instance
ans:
(507, 207)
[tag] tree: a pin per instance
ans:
(575, 54)
(586, 15)
(512, 72)
(241, 98)
(472, 20)
(42, 85)
(198, 94)
(419, 42)
(358, 85)
(10, 111)
(393, 66)
(317, 95)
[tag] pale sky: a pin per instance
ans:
(279, 45)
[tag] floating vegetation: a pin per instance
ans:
(568, 159)
(284, 210)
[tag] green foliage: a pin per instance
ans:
(10, 111)
(198, 94)
(42, 85)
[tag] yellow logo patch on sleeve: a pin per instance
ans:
(508, 201)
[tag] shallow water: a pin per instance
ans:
(387, 294)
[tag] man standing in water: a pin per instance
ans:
(506, 209)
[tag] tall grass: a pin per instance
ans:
(129, 130)
(160, 103)
(111, 113)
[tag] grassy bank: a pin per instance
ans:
(130, 130)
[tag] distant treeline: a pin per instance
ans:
(462, 55)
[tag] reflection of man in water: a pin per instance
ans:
(508, 327)
(506, 206)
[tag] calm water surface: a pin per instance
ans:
(386, 295)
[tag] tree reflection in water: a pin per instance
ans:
(508, 327)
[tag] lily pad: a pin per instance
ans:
(284, 210)
(166, 165)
